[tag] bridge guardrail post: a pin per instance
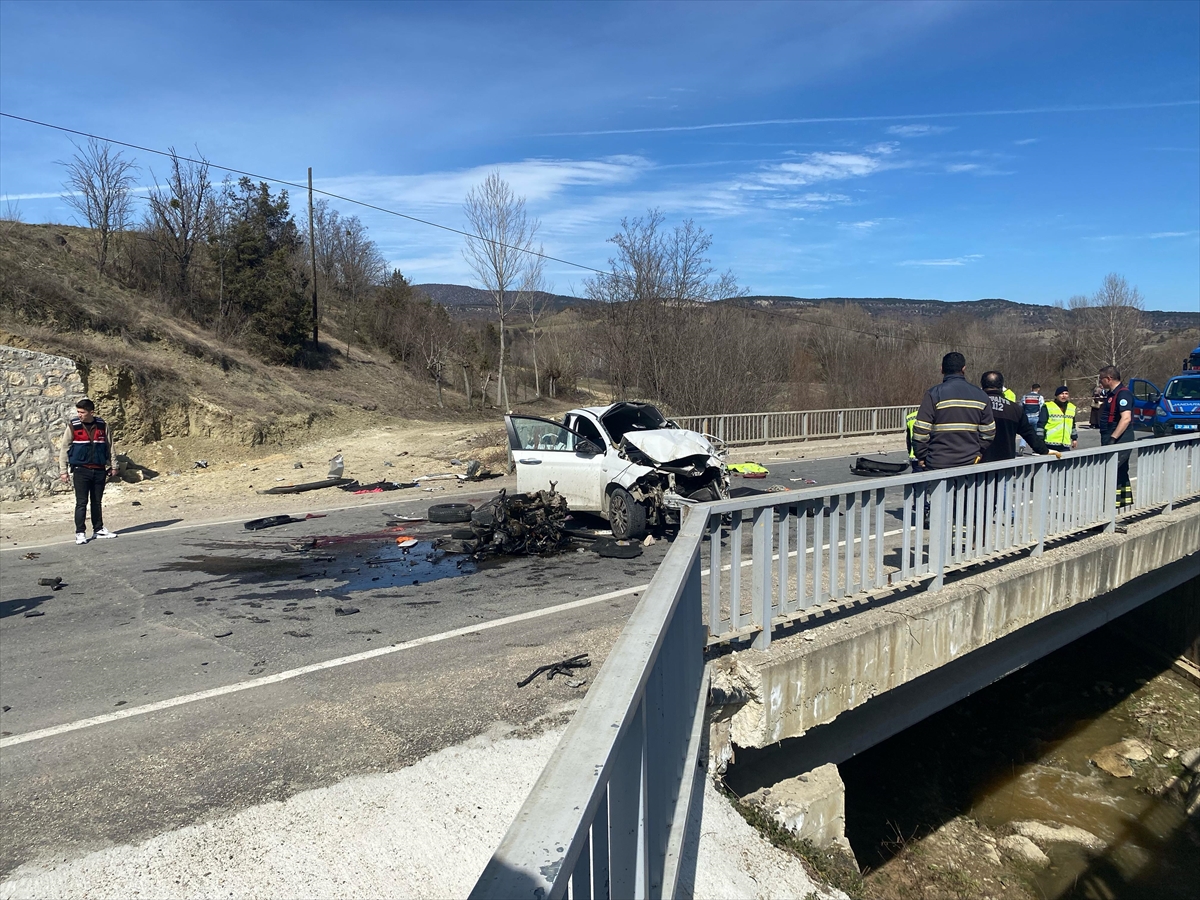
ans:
(1171, 479)
(939, 534)
(1110, 491)
(1041, 501)
(760, 588)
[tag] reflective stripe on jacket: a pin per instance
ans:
(1057, 425)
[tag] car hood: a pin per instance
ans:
(667, 445)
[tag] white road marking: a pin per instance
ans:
(309, 669)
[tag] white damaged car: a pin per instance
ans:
(626, 462)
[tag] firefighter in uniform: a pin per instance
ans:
(87, 453)
(1116, 427)
(1056, 422)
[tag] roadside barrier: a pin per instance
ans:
(609, 814)
(745, 429)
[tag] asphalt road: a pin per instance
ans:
(165, 681)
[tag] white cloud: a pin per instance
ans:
(963, 167)
(861, 227)
(1170, 234)
(918, 130)
(953, 261)
(1025, 141)
(820, 167)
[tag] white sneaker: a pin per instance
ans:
(80, 537)
(104, 533)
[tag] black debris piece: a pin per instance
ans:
(34, 613)
(345, 610)
(5, 708)
(864, 465)
(270, 522)
(355, 487)
(136, 503)
(613, 549)
(257, 620)
(562, 667)
(223, 634)
(331, 481)
(30, 555)
(54, 582)
(301, 546)
(298, 634)
(200, 464)
(450, 513)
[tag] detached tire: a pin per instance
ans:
(626, 516)
(450, 513)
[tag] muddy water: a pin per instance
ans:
(1020, 750)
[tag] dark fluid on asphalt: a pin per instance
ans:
(1020, 750)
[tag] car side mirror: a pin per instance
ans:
(586, 446)
(1155, 396)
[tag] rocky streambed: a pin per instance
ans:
(1075, 777)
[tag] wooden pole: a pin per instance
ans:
(312, 249)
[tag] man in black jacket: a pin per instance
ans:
(954, 423)
(1011, 421)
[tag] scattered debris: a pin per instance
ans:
(336, 466)
(331, 481)
(473, 469)
(297, 465)
(404, 542)
(298, 634)
(257, 620)
(136, 503)
(776, 489)
(389, 465)
(345, 610)
(300, 546)
(223, 634)
(577, 682)
(649, 541)
(562, 667)
(200, 464)
(54, 582)
(396, 517)
(34, 613)
(748, 470)
(512, 526)
(30, 555)
(612, 549)
(376, 487)
(805, 480)
(456, 462)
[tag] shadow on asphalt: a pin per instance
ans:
(18, 607)
(163, 523)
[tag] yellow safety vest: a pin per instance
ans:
(1009, 395)
(1059, 423)
(910, 421)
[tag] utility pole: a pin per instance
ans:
(312, 249)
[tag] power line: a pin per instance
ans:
(298, 186)
(172, 155)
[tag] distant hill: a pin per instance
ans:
(469, 302)
(1030, 313)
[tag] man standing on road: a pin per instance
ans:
(1056, 422)
(954, 422)
(1116, 427)
(1010, 422)
(87, 453)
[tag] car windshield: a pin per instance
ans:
(1183, 389)
(626, 417)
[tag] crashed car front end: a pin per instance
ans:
(671, 468)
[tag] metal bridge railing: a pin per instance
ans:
(742, 429)
(608, 815)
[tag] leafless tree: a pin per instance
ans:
(500, 253)
(360, 266)
(218, 229)
(177, 212)
(1110, 325)
(99, 187)
(533, 298)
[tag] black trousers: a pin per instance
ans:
(89, 485)
(1124, 485)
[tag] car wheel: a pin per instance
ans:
(450, 513)
(626, 516)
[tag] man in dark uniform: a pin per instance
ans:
(954, 422)
(1116, 427)
(1011, 420)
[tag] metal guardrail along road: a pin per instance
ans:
(608, 815)
(742, 429)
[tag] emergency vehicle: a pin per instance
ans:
(1173, 410)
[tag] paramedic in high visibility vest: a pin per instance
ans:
(87, 453)
(1056, 422)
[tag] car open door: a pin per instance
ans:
(546, 452)
(1145, 398)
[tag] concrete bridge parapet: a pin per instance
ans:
(922, 652)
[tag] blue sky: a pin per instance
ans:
(944, 150)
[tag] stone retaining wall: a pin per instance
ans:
(37, 397)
